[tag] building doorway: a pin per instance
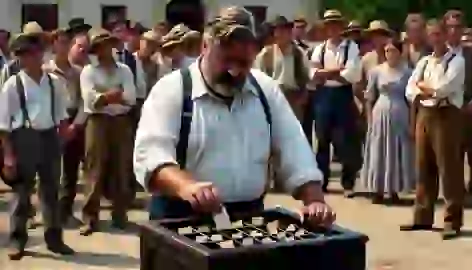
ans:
(189, 12)
(45, 15)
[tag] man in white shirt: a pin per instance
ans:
(32, 111)
(109, 93)
(437, 87)
(336, 69)
(74, 145)
(206, 133)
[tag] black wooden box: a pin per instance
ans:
(273, 240)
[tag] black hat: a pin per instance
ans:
(25, 42)
(281, 21)
(78, 25)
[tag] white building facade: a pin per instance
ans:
(148, 12)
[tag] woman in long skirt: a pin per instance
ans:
(388, 160)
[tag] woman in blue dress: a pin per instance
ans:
(388, 160)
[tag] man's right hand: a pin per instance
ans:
(114, 96)
(202, 196)
(9, 166)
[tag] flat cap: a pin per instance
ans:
(233, 21)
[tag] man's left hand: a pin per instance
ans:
(318, 214)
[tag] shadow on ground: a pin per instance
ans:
(91, 259)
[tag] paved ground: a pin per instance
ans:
(387, 249)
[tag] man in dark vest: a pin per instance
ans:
(286, 63)
(337, 68)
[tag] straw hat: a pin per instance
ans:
(32, 28)
(152, 35)
(25, 42)
(175, 35)
(333, 15)
(192, 34)
(352, 27)
(379, 27)
(100, 36)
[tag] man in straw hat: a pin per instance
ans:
(149, 44)
(436, 87)
(299, 32)
(109, 93)
(354, 31)
(336, 69)
(286, 63)
(32, 144)
(230, 117)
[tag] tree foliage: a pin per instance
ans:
(395, 11)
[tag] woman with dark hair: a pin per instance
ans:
(388, 160)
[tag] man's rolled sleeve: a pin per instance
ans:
(352, 72)
(87, 85)
(158, 128)
(315, 60)
(129, 88)
(297, 160)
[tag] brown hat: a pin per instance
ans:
(353, 27)
(175, 35)
(232, 20)
(281, 21)
(333, 15)
(379, 27)
(100, 36)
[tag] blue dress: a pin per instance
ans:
(389, 151)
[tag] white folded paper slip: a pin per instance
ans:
(222, 220)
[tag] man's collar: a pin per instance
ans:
(199, 86)
(331, 45)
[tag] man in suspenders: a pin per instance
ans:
(32, 112)
(207, 131)
(437, 86)
(74, 144)
(336, 69)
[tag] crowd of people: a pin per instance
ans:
(207, 119)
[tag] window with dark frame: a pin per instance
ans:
(259, 13)
(45, 15)
(112, 14)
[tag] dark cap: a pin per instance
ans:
(233, 22)
(281, 21)
(78, 25)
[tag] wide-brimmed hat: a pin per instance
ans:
(300, 20)
(353, 27)
(100, 36)
(32, 28)
(280, 21)
(192, 34)
(333, 15)
(379, 27)
(175, 35)
(78, 25)
(25, 42)
(152, 36)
